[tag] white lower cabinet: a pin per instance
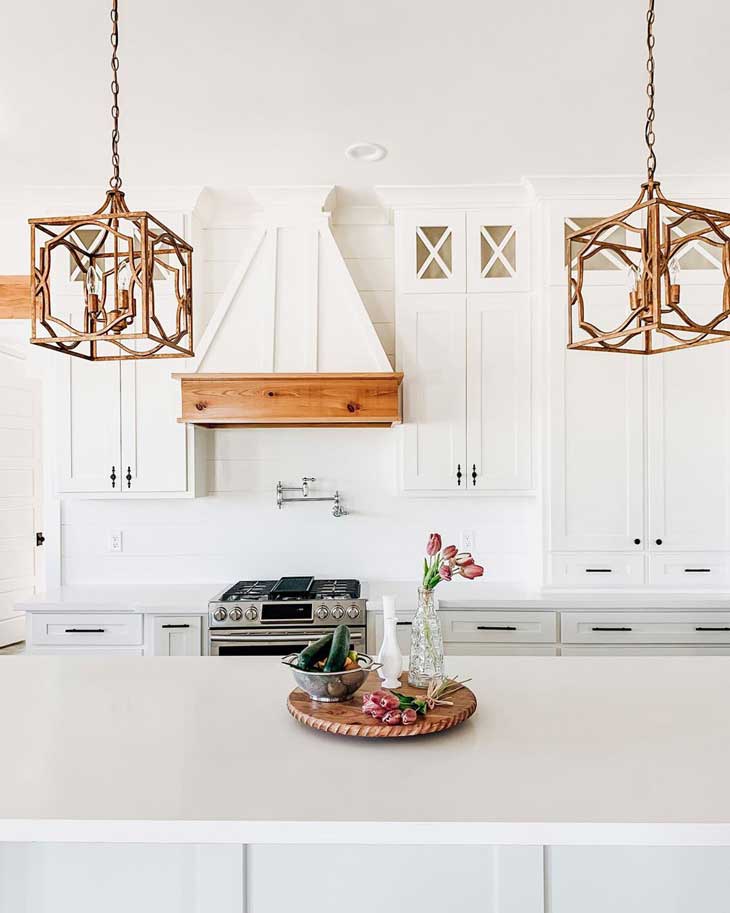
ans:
(596, 569)
(170, 635)
(689, 628)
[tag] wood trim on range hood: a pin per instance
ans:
(14, 297)
(365, 400)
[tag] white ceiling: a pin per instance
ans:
(225, 93)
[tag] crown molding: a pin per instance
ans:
(458, 196)
(627, 186)
(53, 200)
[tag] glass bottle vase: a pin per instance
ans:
(427, 643)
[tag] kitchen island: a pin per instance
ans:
(564, 756)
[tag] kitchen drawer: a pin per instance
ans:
(599, 569)
(690, 570)
(645, 627)
(454, 648)
(477, 627)
(645, 650)
(86, 629)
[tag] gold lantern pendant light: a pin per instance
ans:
(115, 284)
(649, 242)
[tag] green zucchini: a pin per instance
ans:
(339, 650)
(315, 651)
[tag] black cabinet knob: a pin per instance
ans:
(637, 541)
(658, 541)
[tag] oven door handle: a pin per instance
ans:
(356, 637)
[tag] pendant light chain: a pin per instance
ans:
(115, 182)
(650, 112)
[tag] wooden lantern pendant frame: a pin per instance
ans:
(119, 266)
(656, 232)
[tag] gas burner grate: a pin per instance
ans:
(336, 589)
(248, 589)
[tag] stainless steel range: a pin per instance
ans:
(276, 617)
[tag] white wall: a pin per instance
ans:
(238, 532)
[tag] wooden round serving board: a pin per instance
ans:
(347, 718)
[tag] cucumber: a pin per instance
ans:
(339, 650)
(315, 651)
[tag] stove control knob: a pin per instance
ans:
(322, 612)
(251, 613)
(235, 614)
(353, 611)
(338, 612)
(220, 614)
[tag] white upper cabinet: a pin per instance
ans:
(88, 429)
(431, 353)
(596, 445)
(463, 324)
(688, 405)
(499, 417)
(431, 250)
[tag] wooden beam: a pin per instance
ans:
(15, 297)
(291, 400)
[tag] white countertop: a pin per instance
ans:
(561, 750)
(193, 598)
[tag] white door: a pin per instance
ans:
(596, 444)
(499, 419)
(19, 491)
(154, 454)
(431, 351)
(89, 446)
(689, 449)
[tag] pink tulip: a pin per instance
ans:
(450, 552)
(366, 696)
(390, 702)
(393, 718)
(463, 559)
(433, 547)
(470, 571)
(379, 712)
(445, 572)
(369, 706)
(408, 715)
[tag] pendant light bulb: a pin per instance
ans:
(633, 277)
(125, 277)
(93, 280)
(674, 271)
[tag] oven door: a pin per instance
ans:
(278, 642)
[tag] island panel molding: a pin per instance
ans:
(281, 400)
(15, 298)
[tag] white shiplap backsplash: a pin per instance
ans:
(238, 532)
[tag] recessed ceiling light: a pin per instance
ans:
(366, 152)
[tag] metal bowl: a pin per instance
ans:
(331, 687)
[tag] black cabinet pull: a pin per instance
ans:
(599, 570)
(400, 623)
(612, 629)
(698, 570)
(700, 628)
(458, 473)
(176, 626)
(85, 630)
(474, 474)
(496, 628)
(113, 477)
(128, 477)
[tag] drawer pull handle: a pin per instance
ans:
(85, 630)
(698, 570)
(401, 623)
(612, 629)
(176, 626)
(700, 628)
(496, 628)
(599, 570)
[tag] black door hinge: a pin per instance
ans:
(39, 538)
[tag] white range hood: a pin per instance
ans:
(291, 331)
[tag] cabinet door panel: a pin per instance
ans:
(89, 429)
(497, 255)
(153, 441)
(596, 444)
(431, 336)
(689, 449)
(499, 418)
(431, 250)
(174, 635)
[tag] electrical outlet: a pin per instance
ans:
(115, 541)
(467, 540)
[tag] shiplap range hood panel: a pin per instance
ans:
(291, 342)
